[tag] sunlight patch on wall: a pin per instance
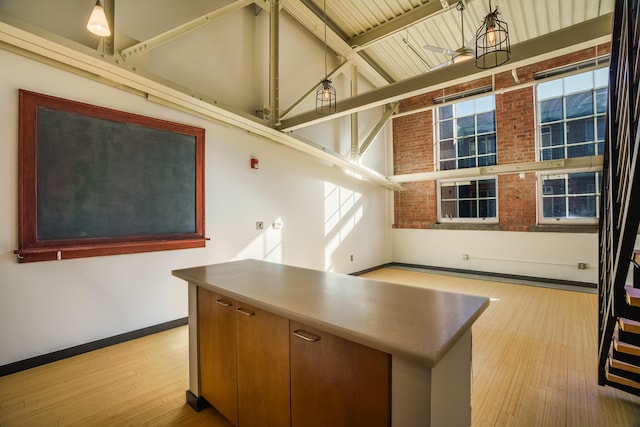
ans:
(267, 245)
(342, 212)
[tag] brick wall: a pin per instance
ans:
(413, 145)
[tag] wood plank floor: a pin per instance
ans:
(534, 364)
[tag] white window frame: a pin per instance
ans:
(446, 182)
(436, 126)
(565, 146)
(565, 220)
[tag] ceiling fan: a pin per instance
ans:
(459, 55)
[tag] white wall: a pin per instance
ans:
(47, 306)
(546, 255)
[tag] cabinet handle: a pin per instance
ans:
(245, 312)
(224, 303)
(307, 336)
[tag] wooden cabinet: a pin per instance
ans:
(263, 368)
(335, 382)
(217, 342)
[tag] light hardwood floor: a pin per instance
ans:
(534, 364)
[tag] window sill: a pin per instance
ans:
(467, 226)
(565, 228)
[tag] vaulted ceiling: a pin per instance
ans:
(400, 48)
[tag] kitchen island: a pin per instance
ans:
(275, 345)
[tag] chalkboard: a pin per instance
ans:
(96, 181)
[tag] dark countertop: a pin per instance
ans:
(412, 322)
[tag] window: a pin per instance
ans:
(570, 197)
(571, 115)
(466, 133)
(571, 120)
(468, 200)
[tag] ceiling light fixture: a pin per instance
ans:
(98, 23)
(492, 41)
(326, 93)
(464, 53)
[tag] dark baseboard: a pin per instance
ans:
(486, 273)
(197, 403)
(32, 362)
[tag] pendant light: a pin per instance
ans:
(98, 23)
(326, 93)
(492, 41)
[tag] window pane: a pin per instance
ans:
(447, 150)
(445, 112)
(467, 190)
(464, 108)
(552, 153)
(487, 144)
(466, 126)
(467, 209)
(550, 89)
(447, 165)
(487, 160)
(484, 104)
(552, 135)
(486, 122)
(448, 192)
(448, 209)
(466, 147)
(551, 110)
(580, 130)
(579, 105)
(581, 150)
(578, 82)
(600, 124)
(601, 101)
(582, 183)
(554, 207)
(487, 188)
(553, 186)
(468, 162)
(446, 129)
(486, 208)
(582, 207)
(601, 77)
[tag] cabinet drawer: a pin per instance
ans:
(336, 382)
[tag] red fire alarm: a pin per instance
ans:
(254, 163)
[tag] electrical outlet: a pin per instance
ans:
(582, 266)
(351, 257)
(259, 225)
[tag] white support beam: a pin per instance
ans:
(390, 110)
(107, 70)
(594, 162)
(585, 34)
(315, 25)
(178, 31)
(399, 23)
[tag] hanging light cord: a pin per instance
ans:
(461, 9)
(324, 7)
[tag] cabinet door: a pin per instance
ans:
(263, 368)
(217, 341)
(338, 383)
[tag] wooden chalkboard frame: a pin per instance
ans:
(32, 248)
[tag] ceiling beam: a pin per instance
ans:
(180, 30)
(565, 39)
(314, 23)
(399, 23)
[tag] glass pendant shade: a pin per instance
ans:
(98, 24)
(492, 42)
(326, 98)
